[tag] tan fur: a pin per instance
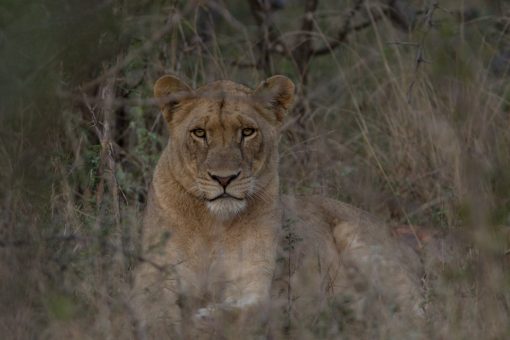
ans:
(252, 249)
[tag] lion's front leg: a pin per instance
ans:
(245, 299)
(250, 269)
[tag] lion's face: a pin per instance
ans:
(223, 138)
(224, 146)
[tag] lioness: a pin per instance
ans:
(219, 237)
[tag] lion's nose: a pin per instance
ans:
(224, 180)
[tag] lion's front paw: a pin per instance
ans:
(205, 314)
(206, 318)
(231, 307)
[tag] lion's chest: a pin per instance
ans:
(207, 260)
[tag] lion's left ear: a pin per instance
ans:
(277, 92)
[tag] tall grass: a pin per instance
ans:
(412, 125)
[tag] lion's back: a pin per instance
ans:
(333, 249)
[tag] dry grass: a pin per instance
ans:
(410, 124)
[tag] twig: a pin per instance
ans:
(420, 59)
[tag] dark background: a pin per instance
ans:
(403, 109)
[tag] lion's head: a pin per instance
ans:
(223, 138)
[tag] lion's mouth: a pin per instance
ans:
(224, 196)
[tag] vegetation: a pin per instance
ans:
(403, 109)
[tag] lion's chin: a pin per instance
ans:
(226, 208)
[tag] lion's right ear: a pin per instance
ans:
(169, 92)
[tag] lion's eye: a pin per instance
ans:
(248, 132)
(200, 133)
